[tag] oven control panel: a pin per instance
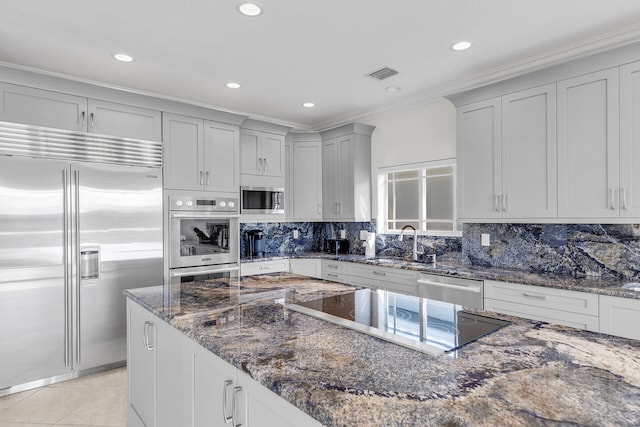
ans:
(191, 203)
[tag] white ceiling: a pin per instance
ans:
(306, 50)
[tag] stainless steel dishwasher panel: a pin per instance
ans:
(465, 292)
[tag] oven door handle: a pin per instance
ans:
(202, 215)
(190, 271)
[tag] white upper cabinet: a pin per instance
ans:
(109, 118)
(529, 178)
(479, 141)
(507, 156)
(630, 140)
(21, 104)
(346, 173)
(200, 155)
(39, 107)
(588, 146)
(261, 153)
(307, 180)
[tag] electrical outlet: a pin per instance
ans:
(296, 234)
(343, 234)
(486, 239)
(364, 234)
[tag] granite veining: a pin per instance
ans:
(527, 373)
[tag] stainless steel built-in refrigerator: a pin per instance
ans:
(80, 221)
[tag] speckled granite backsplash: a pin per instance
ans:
(608, 250)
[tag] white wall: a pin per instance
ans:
(418, 135)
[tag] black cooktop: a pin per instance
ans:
(422, 324)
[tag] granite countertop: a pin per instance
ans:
(599, 285)
(528, 373)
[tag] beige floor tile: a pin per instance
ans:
(3, 424)
(46, 405)
(12, 399)
(114, 378)
(99, 407)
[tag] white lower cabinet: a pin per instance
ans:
(306, 267)
(569, 308)
(388, 279)
(335, 271)
(264, 267)
(620, 316)
(173, 381)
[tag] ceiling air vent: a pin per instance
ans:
(383, 73)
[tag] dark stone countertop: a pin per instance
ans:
(598, 285)
(528, 373)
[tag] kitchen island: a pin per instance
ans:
(527, 373)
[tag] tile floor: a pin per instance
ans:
(95, 400)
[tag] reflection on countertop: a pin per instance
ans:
(604, 286)
(527, 373)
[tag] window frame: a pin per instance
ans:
(383, 196)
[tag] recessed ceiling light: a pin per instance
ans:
(233, 85)
(308, 105)
(249, 9)
(462, 45)
(123, 57)
(393, 89)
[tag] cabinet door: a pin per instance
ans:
(306, 267)
(173, 390)
(307, 180)
(344, 187)
(479, 160)
(263, 407)
(588, 146)
(529, 184)
(250, 157)
(109, 118)
(289, 212)
(22, 104)
(209, 376)
(183, 152)
(620, 316)
(630, 140)
(141, 364)
(272, 153)
(221, 157)
(330, 179)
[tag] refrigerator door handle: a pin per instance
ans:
(65, 260)
(76, 214)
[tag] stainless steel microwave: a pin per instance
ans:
(261, 200)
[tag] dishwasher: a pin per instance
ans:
(455, 290)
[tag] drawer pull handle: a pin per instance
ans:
(265, 267)
(534, 296)
(335, 267)
(379, 273)
(332, 275)
(225, 387)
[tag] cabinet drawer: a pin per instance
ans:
(393, 275)
(536, 296)
(335, 277)
(575, 320)
(334, 266)
(264, 267)
(620, 316)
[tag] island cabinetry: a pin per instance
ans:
(346, 173)
(159, 383)
(306, 267)
(21, 104)
(200, 155)
(620, 316)
(264, 267)
(507, 156)
(589, 146)
(570, 308)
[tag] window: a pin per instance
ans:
(421, 195)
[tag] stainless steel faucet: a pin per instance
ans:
(415, 240)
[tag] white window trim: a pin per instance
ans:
(383, 196)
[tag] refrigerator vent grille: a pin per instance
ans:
(35, 141)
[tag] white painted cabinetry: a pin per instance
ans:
(305, 189)
(39, 107)
(570, 308)
(630, 140)
(507, 156)
(173, 381)
(261, 153)
(264, 267)
(335, 271)
(306, 267)
(200, 155)
(620, 316)
(589, 146)
(346, 173)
